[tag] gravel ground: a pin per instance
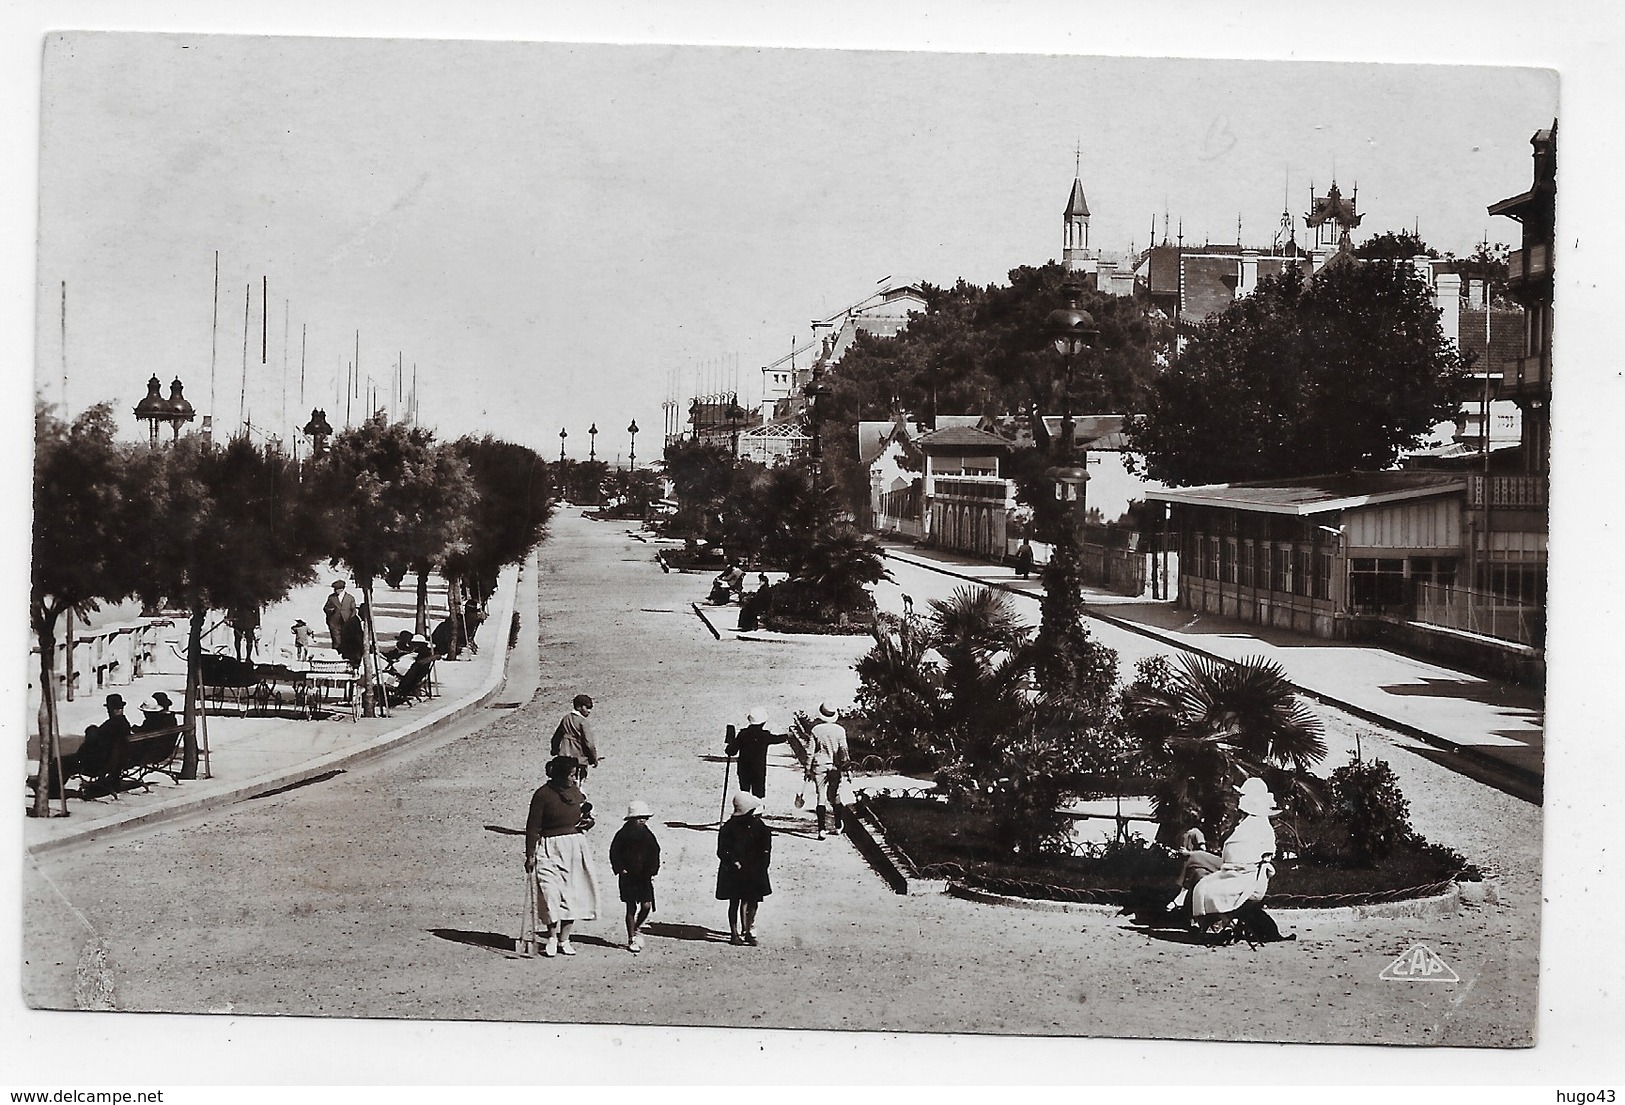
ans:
(387, 892)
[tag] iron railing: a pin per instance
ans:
(1484, 613)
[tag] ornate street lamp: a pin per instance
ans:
(1072, 329)
(592, 442)
(816, 392)
(318, 430)
(153, 410)
(180, 410)
(632, 456)
(736, 419)
(563, 433)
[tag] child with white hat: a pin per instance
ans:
(634, 855)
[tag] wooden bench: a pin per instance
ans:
(128, 762)
(146, 753)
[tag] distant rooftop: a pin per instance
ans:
(1316, 494)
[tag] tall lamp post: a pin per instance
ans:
(153, 410)
(816, 392)
(592, 442)
(180, 409)
(1072, 329)
(563, 433)
(632, 455)
(318, 430)
(736, 419)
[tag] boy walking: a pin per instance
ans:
(634, 855)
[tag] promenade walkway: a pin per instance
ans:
(265, 750)
(1493, 724)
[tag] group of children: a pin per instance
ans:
(744, 840)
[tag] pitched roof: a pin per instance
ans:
(1100, 432)
(1075, 203)
(961, 437)
(873, 437)
(1506, 337)
(1316, 494)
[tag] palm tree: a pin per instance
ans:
(1209, 724)
(839, 565)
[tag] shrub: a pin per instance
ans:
(1366, 802)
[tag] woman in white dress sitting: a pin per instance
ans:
(1245, 870)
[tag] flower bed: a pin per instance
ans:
(947, 843)
(781, 624)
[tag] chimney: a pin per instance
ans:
(1424, 267)
(1447, 297)
(1249, 273)
(1475, 294)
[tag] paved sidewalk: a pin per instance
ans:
(254, 754)
(1483, 719)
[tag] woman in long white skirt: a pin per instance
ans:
(556, 857)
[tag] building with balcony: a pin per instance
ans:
(1507, 510)
(966, 503)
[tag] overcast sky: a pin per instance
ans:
(556, 235)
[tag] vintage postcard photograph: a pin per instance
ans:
(765, 538)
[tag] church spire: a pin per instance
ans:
(1076, 256)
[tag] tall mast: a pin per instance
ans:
(242, 394)
(214, 329)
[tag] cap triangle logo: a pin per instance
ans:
(1418, 963)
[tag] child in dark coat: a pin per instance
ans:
(634, 855)
(744, 852)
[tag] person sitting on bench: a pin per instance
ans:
(411, 683)
(157, 712)
(97, 758)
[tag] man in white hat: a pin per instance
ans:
(827, 763)
(634, 855)
(750, 744)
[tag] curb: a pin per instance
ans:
(870, 838)
(1445, 904)
(324, 765)
(1535, 781)
(701, 615)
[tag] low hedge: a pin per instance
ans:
(933, 835)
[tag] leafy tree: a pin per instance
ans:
(91, 495)
(1206, 725)
(1392, 245)
(1303, 378)
(1073, 669)
(396, 500)
(1489, 264)
(701, 476)
(983, 349)
(233, 528)
(776, 513)
(514, 497)
(580, 481)
(635, 491)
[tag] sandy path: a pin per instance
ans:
(383, 894)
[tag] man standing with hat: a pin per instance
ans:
(827, 763)
(750, 744)
(340, 611)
